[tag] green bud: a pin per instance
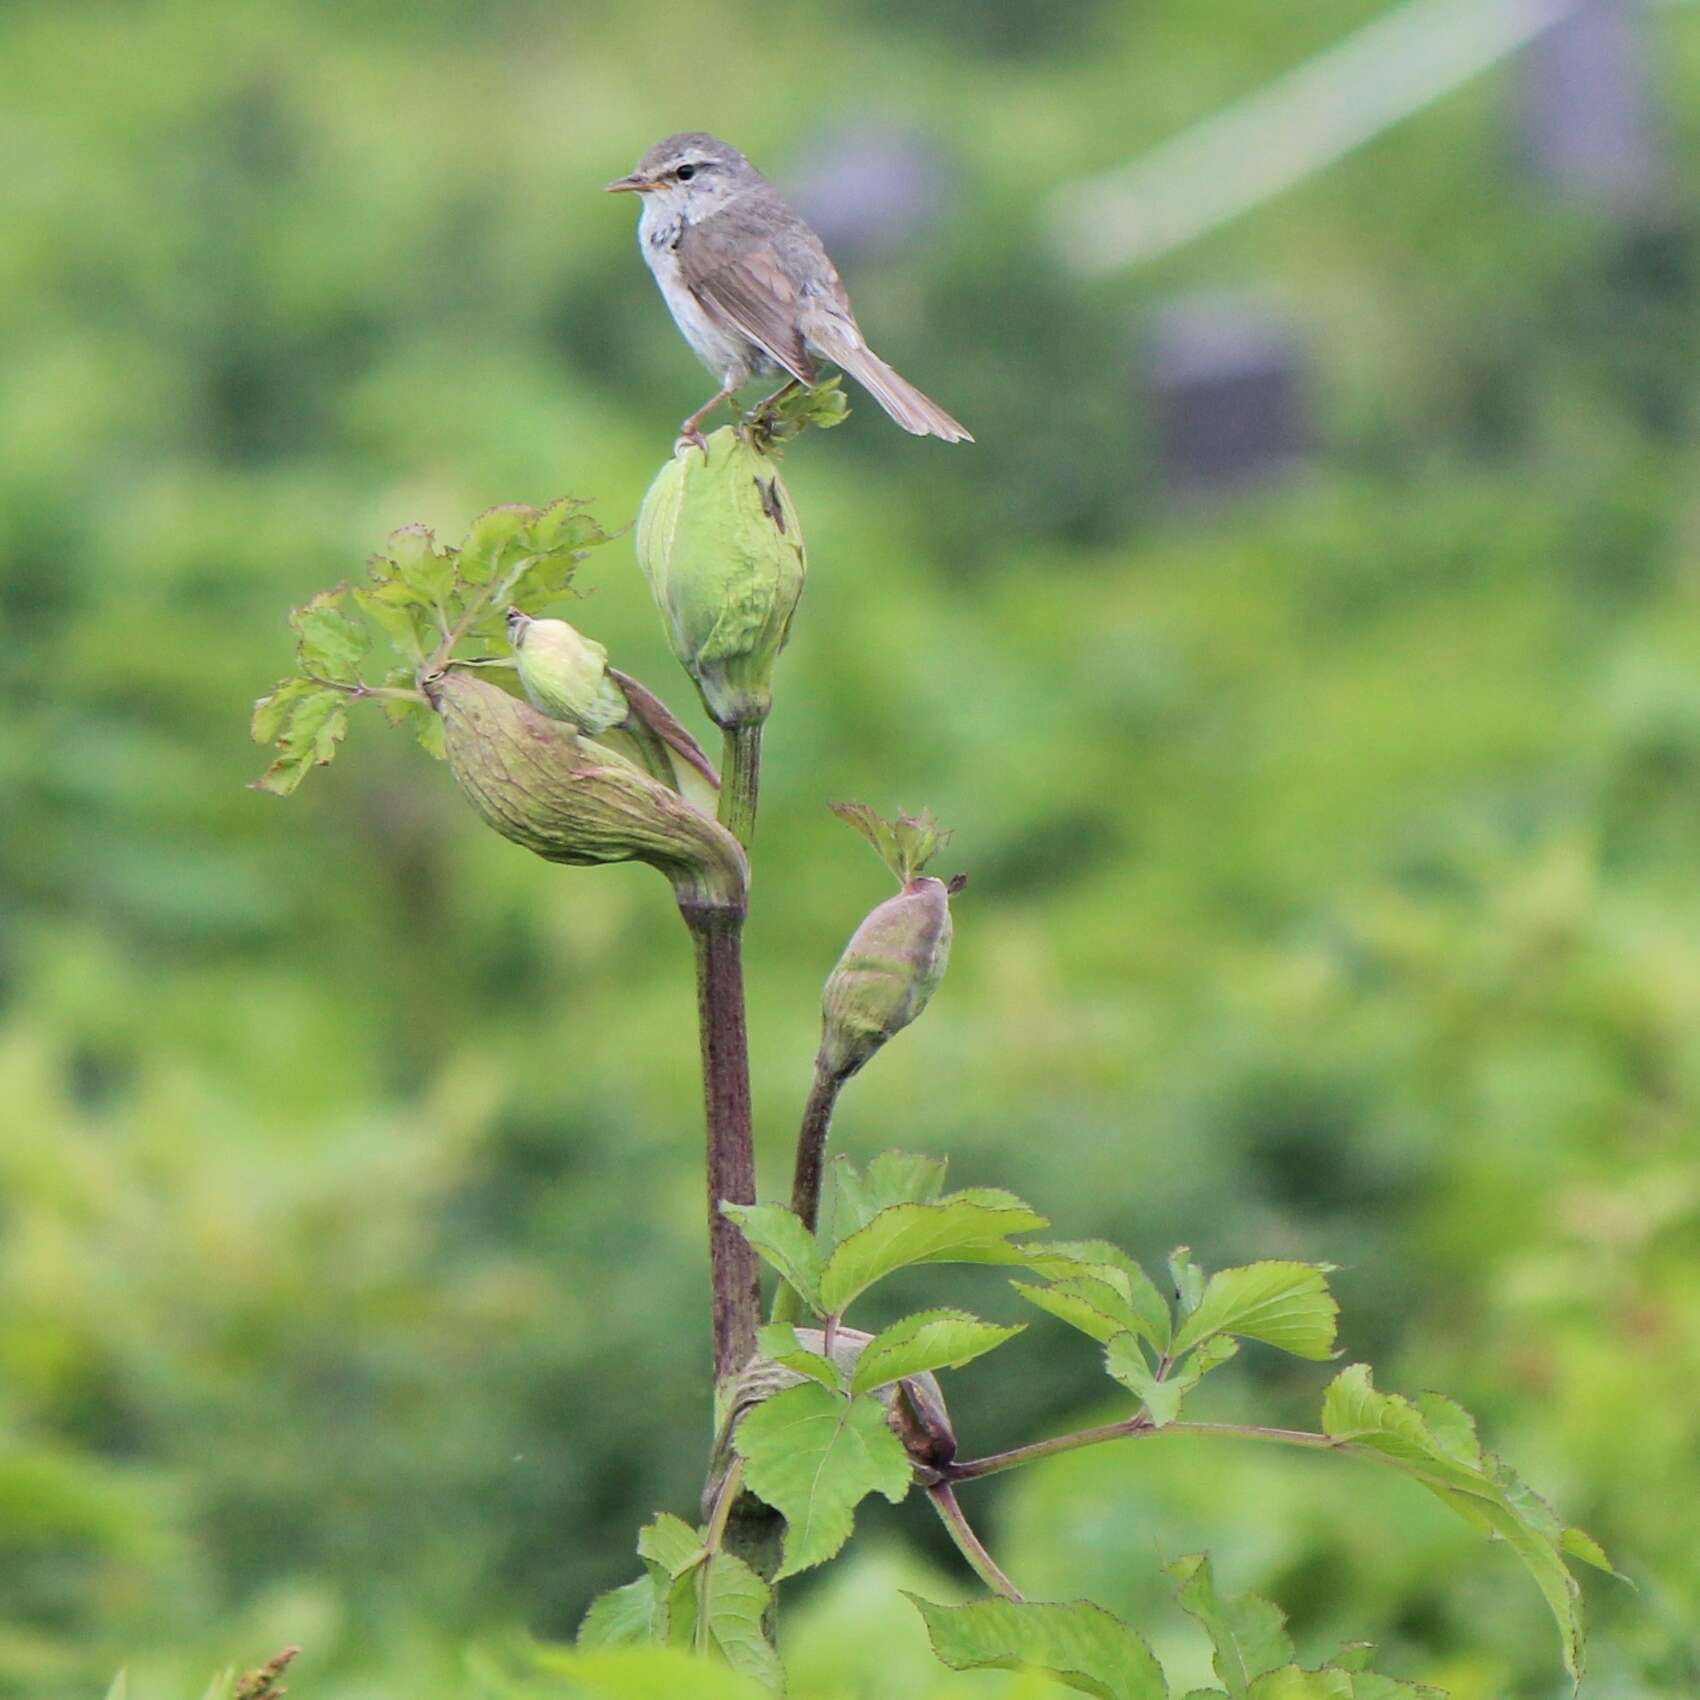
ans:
(890, 968)
(565, 674)
(542, 785)
(719, 542)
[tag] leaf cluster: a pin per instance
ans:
(426, 600)
(906, 845)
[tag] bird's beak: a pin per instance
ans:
(633, 185)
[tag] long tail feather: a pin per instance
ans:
(912, 410)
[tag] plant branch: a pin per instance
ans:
(969, 1544)
(740, 781)
(806, 1180)
(731, 1151)
(360, 689)
(1141, 1424)
(811, 1146)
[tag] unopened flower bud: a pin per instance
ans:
(543, 785)
(890, 968)
(719, 543)
(565, 674)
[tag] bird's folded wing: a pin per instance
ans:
(754, 291)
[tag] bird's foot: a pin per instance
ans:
(690, 437)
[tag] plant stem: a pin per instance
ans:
(969, 1544)
(731, 1150)
(1137, 1425)
(811, 1146)
(740, 781)
(806, 1180)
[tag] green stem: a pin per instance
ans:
(969, 1544)
(1137, 1425)
(740, 781)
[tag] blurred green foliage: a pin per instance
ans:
(1333, 853)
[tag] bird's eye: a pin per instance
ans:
(685, 173)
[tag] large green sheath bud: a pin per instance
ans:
(890, 968)
(719, 542)
(565, 674)
(542, 785)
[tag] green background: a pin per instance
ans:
(1333, 851)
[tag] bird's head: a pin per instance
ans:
(690, 175)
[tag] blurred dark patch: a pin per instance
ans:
(1047, 855)
(1228, 380)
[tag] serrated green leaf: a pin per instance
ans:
(428, 733)
(1578, 1543)
(402, 623)
(778, 1340)
(565, 524)
(928, 1340)
(1484, 1490)
(1084, 1646)
(623, 1617)
(1287, 1305)
(893, 1177)
(317, 722)
(1146, 1311)
(814, 1457)
(732, 1601)
(1072, 1302)
(492, 536)
(1249, 1634)
(967, 1227)
(331, 646)
(272, 712)
(416, 559)
(1292, 1683)
(672, 1544)
(781, 1239)
(1125, 1359)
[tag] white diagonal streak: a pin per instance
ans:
(1304, 120)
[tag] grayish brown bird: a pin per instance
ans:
(749, 284)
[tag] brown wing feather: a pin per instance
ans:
(752, 289)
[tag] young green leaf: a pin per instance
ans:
(672, 1544)
(1081, 1644)
(778, 1340)
(1292, 1683)
(624, 1616)
(732, 1601)
(928, 1340)
(1083, 1304)
(404, 623)
(893, 1177)
(1142, 1309)
(1435, 1443)
(781, 1239)
(330, 646)
(966, 1227)
(814, 1457)
(316, 723)
(905, 844)
(1125, 1359)
(1249, 1634)
(413, 557)
(1282, 1304)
